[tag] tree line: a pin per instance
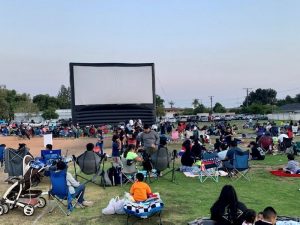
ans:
(260, 101)
(12, 102)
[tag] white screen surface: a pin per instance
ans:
(113, 85)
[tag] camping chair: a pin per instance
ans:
(60, 192)
(209, 167)
(2, 148)
(48, 156)
(127, 171)
(161, 161)
(240, 166)
(143, 210)
(14, 161)
(287, 146)
(90, 163)
(297, 146)
(175, 136)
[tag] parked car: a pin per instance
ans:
(217, 118)
(204, 119)
(228, 117)
(193, 119)
(171, 120)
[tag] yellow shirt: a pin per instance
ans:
(140, 191)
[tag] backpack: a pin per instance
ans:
(114, 175)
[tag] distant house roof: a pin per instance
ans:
(295, 107)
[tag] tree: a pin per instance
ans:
(4, 109)
(171, 103)
(256, 108)
(218, 108)
(160, 108)
(195, 103)
(188, 111)
(297, 98)
(45, 102)
(261, 96)
(49, 114)
(27, 107)
(200, 109)
(64, 97)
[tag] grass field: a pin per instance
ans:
(184, 201)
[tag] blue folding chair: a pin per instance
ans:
(50, 155)
(241, 166)
(2, 148)
(60, 192)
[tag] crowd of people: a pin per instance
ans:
(137, 142)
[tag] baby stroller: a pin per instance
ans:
(20, 193)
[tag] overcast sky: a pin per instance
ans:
(200, 48)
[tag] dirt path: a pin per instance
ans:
(73, 146)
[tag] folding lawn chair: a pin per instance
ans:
(143, 210)
(90, 163)
(287, 145)
(127, 171)
(47, 156)
(241, 166)
(14, 161)
(209, 167)
(60, 192)
(297, 146)
(2, 148)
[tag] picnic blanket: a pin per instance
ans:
(144, 209)
(281, 173)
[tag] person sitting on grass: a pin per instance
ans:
(250, 217)
(140, 190)
(257, 153)
(75, 188)
(292, 166)
(187, 158)
(228, 210)
(131, 156)
(269, 217)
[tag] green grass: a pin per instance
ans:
(184, 201)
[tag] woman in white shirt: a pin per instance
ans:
(75, 188)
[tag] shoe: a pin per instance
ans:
(87, 203)
(79, 206)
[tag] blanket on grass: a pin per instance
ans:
(281, 173)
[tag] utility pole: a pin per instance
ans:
(211, 107)
(247, 98)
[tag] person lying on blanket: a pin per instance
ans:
(292, 166)
(140, 190)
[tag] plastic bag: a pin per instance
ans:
(119, 205)
(110, 209)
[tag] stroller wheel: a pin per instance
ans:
(1, 210)
(41, 202)
(11, 206)
(28, 210)
(5, 208)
